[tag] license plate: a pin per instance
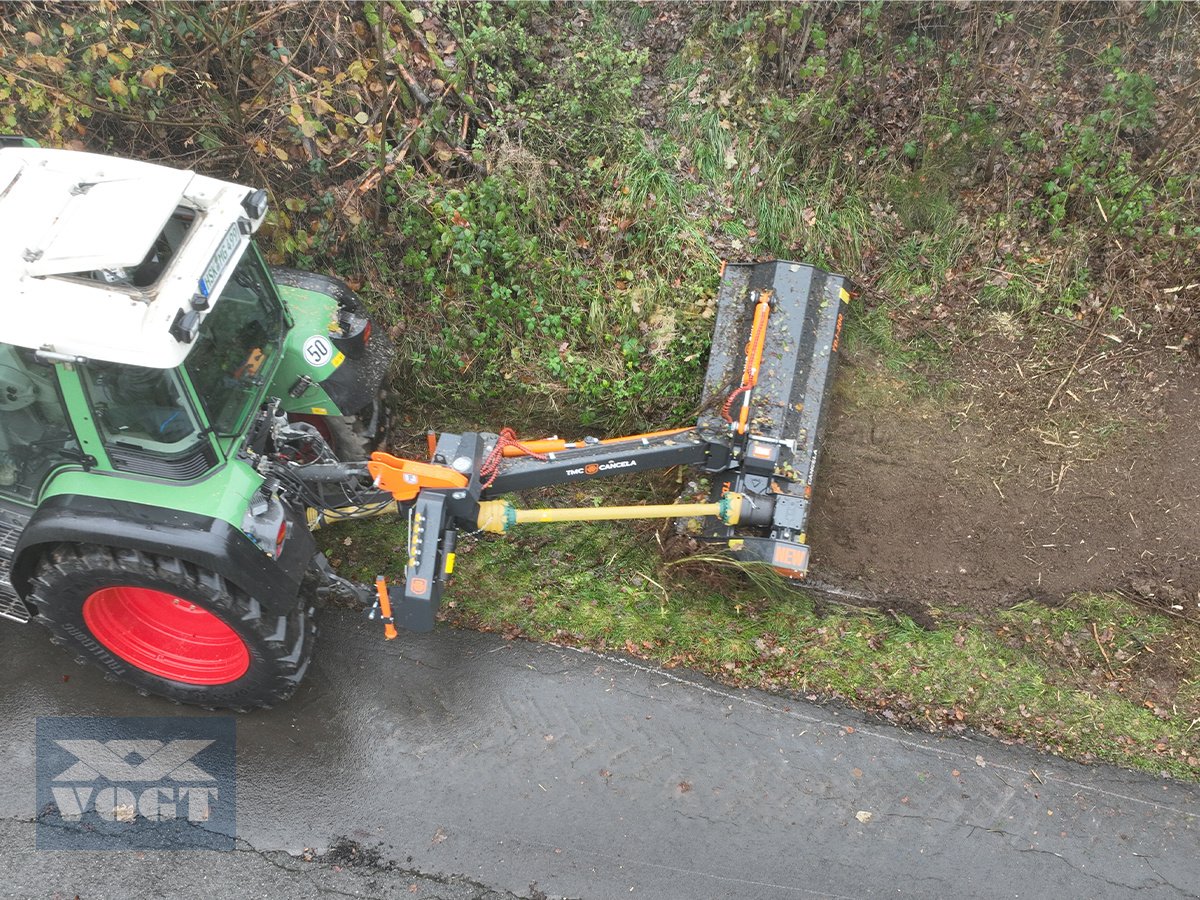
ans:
(220, 259)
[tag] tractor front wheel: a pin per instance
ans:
(170, 628)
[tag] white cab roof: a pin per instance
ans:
(64, 215)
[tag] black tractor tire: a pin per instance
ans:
(278, 648)
(348, 438)
(351, 438)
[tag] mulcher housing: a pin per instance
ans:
(777, 457)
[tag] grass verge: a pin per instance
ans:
(1095, 679)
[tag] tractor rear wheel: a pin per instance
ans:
(352, 438)
(171, 628)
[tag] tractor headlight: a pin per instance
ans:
(255, 204)
(266, 524)
(185, 326)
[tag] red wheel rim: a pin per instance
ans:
(166, 635)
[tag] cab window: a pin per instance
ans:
(35, 434)
(145, 420)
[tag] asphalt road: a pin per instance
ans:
(482, 768)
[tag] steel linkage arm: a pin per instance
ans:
(453, 492)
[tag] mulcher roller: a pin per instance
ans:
(775, 346)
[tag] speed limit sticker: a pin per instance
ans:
(318, 351)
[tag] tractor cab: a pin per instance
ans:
(142, 285)
(162, 391)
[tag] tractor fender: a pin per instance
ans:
(205, 541)
(356, 381)
(331, 287)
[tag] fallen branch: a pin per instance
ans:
(418, 94)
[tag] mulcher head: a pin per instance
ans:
(775, 345)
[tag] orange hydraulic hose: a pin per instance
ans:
(385, 608)
(554, 445)
(754, 352)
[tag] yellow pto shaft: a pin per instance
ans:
(498, 516)
(320, 518)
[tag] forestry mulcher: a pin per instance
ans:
(177, 417)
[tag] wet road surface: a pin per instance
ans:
(483, 768)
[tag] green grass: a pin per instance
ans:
(1083, 680)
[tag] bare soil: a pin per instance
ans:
(984, 497)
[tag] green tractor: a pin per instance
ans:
(160, 387)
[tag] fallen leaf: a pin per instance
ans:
(863, 816)
(979, 761)
(439, 835)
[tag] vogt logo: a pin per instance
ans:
(137, 783)
(109, 761)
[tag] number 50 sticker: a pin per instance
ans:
(319, 352)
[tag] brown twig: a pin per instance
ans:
(383, 122)
(1156, 608)
(1104, 653)
(1078, 356)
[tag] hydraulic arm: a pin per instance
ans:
(774, 349)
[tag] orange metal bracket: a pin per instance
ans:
(404, 478)
(754, 352)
